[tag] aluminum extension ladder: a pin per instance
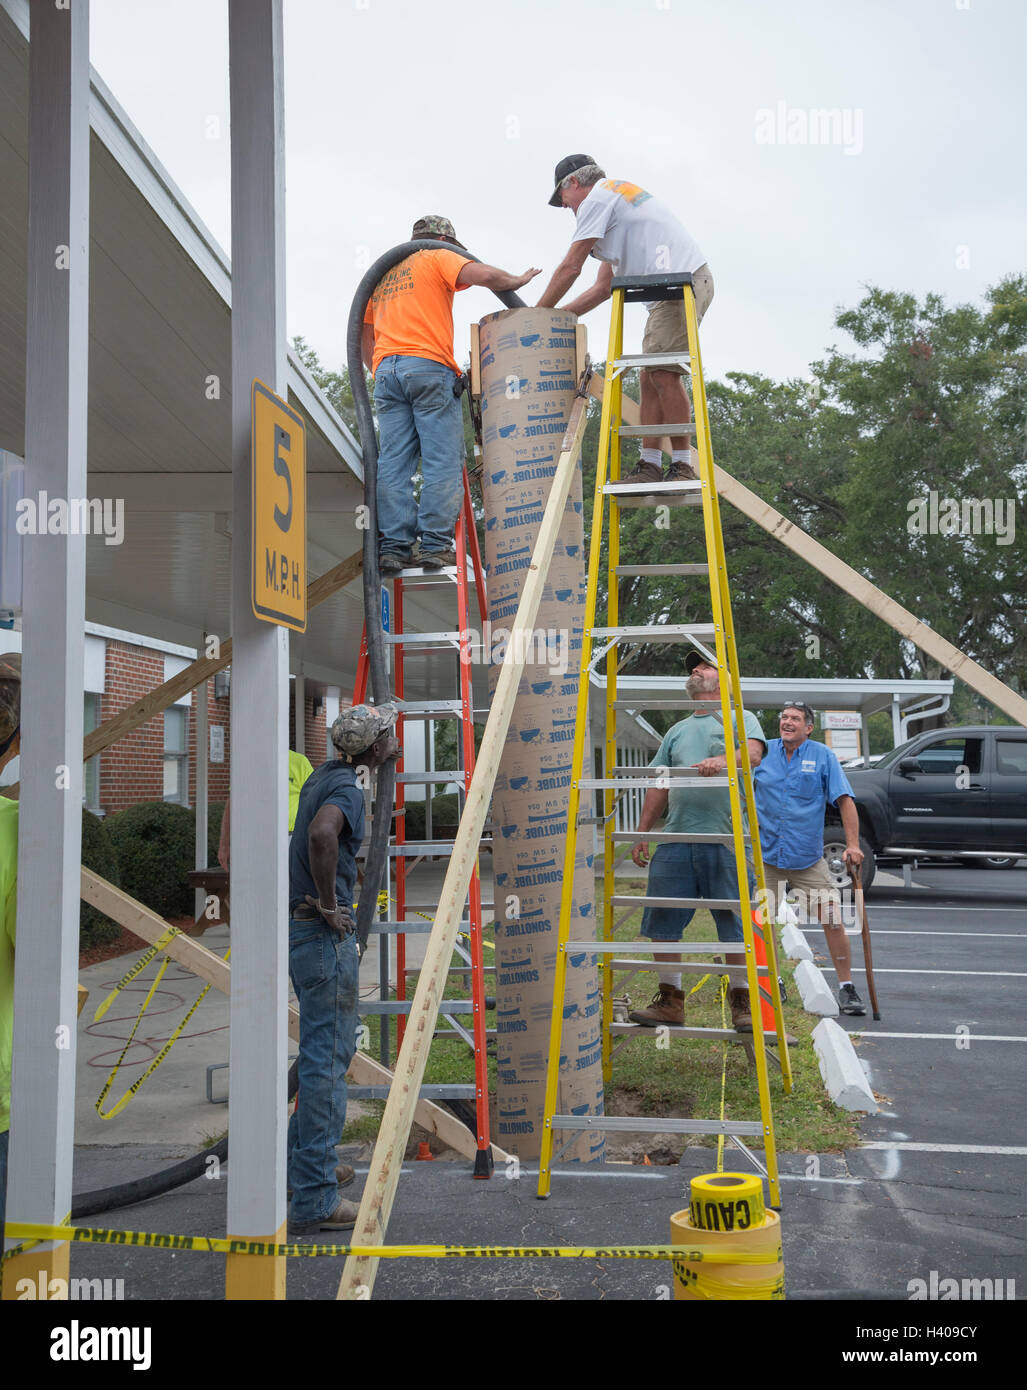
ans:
(610, 641)
(404, 855)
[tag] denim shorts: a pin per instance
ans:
(691, 871)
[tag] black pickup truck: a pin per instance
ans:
(947, 792)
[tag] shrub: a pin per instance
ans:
(155, 842)
(445, 810)
(215, 815)
(98, 853)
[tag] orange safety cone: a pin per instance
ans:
(766, 999)
(424, 1150)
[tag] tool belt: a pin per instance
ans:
(303, 912)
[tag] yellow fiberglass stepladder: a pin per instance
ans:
(618, 780)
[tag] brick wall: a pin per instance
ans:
(132, 769)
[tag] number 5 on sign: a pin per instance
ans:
(279, 521)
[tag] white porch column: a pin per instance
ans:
(260, 672)
(202, 729)
(50, 830)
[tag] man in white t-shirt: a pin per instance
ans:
(632, 233)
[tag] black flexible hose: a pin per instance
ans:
(126, 1194)
(381, 822)
(156, 1184)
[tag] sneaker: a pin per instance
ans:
(667, 1007)
(343, 1218)
(644, 473)
(392, 561)
(680, 473)
(849, 1001)
(434, 559)
(741, 1018)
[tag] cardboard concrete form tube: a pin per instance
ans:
(537, 349)
(131, 913)
(851, 582)
(163, 696)
(380, 1188)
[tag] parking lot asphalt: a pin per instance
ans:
(938, 1184)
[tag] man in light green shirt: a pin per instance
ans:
(10, 746)
(693, 870)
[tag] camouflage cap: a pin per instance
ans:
(10, 694)
(432, 226)
(359, 726)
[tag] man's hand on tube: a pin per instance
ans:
(339, 917)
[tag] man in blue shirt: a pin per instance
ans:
(696, 869)
(323, 960)
(792, 786)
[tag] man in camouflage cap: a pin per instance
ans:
(408, 345)
(359, 727)
(323, 960)
(10, 745)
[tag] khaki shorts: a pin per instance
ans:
(813, 885)
(665, 326)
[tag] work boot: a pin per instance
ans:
(343, 1218)
(344, 1175)
(741, 1018)
(849, 1001)
(434, 559)
(392, 561)
(680, 473)
(644, 473)
(667, 1007)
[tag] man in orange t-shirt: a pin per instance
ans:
(408, 345)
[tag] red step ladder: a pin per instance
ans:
(406, 644)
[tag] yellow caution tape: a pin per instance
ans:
(735, 1277)
(34, 1232)
(727, 1202)
(140, 964)
(118, 1106)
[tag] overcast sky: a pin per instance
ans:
(395, 108)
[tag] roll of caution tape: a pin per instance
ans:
(756, 1271)
(726, 1202)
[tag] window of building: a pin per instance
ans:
(176, 755)
(91, 770)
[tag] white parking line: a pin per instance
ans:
(885, 970)
(899, 931)
(946, 1037)
(943, 907)
(890, 1144)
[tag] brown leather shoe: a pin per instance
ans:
(644, 473)
(343, 1218)
(741, 1018)
(680, 473)
(667, 1007)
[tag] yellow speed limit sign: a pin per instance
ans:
(279, 521)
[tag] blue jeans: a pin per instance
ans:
(691, 871)
(418, 415)
(323, 968)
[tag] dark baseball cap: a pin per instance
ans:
(694, 659)
(566, 166)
